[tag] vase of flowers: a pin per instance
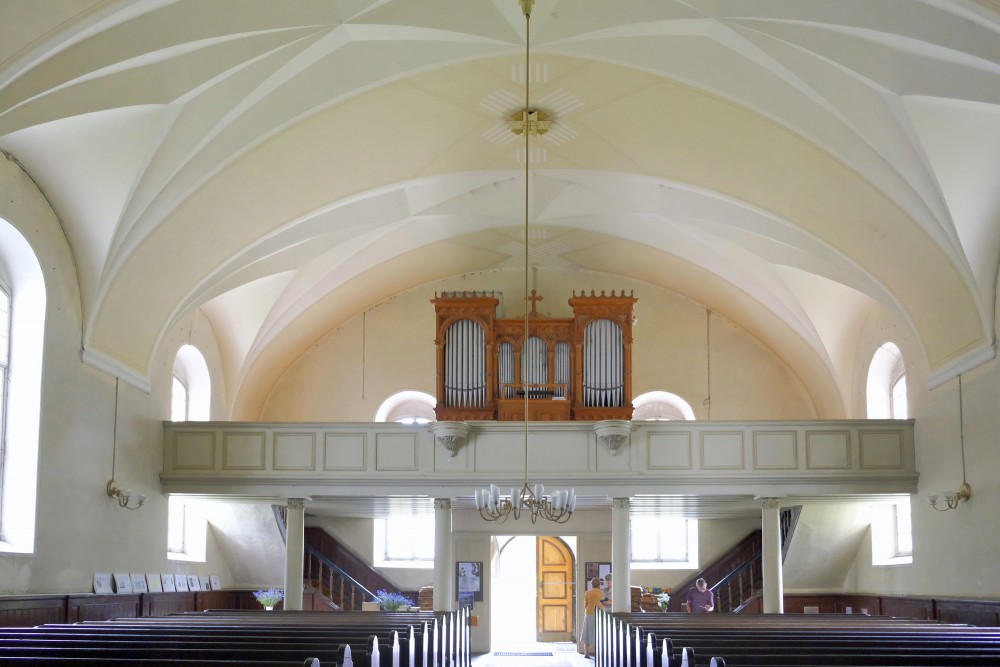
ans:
(663, 601)
(270, 597)
(392, 601)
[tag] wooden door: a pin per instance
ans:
(555, 590)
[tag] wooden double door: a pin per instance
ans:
(556, 586)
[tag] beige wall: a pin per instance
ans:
(347, 374)
(79, 530)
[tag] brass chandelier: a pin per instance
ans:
(559, 506)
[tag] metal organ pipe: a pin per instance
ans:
(534, 366)
(465, 365)
(603, 365)
(561, 368)
(505, 368)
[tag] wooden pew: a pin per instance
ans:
(247, 637)
(792, 640)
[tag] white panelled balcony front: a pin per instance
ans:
(451, 459)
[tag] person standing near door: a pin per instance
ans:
(591, 602)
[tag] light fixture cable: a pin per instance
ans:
(952, 500)
(124, 497)
(961, 427)
(561, 504)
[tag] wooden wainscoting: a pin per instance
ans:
(984, 613)
(31, 610)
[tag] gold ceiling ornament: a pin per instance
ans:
(537, 123)
(557, 507)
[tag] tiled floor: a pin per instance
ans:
(563, 655)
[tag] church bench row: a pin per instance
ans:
(786, 640)
(150, 662)
(248, 637)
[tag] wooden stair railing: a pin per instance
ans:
(359, 574)
(333, 583)
(736, 577)
(740, 586)
(334, 571)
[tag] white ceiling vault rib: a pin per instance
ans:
(203, 157)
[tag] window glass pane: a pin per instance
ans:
(175, 525)
(4, 327)
(904, 529)
(409, 538)
(178, 401)
(899, 404)
(659, 538)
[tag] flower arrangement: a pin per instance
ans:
(270, 597)
(392, 601)
(663, 600)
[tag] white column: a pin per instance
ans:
(444, 561)
(621, 581)
(295, 540)
(774, 589)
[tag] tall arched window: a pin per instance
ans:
(23, 330)
(191, 395)
(886, 389)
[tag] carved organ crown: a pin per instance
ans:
(577, 368)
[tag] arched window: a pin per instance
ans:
(191, 395)
(407, 407)
(886, 389)
(661, 406)
(23, 333)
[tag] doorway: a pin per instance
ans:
(533, 590)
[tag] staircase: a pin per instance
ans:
(338, 574)
(736, 578)
(335, 572)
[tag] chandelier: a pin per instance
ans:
(559, 506)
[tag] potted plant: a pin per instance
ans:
(270, 597)
(392, 601)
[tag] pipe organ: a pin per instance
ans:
(577, 368)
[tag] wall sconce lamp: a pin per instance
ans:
(125, 496)
(951, 500)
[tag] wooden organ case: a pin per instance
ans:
(577, 368)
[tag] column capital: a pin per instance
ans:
(621, 503)
(442, 503)
(770, 503)
(296, 503)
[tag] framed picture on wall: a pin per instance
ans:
(215, 582)
(139, 583)
(102, 582)
(167, 580)
(469, 580)
(153, 582)
(593, 569)
(181, 583)
(123, 582)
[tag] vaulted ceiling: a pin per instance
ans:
(284, 165)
